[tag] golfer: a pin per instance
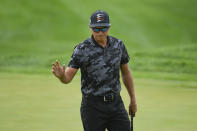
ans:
(100, 59)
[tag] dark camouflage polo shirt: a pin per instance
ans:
(99, 66)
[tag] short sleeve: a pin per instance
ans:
(124, 57)
(75, 58)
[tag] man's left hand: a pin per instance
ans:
(132, 108)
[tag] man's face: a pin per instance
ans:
(100, 33)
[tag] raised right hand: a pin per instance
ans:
(58, 71)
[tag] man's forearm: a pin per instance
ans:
(128, 82)
(68, 75)
(65, 78)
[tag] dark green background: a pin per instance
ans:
(160, 36)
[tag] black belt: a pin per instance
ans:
(105, 98)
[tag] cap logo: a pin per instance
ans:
(100, 17)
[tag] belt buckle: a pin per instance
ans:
(106, 98)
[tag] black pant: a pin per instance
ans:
(98, 115)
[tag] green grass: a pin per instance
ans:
(42, 103)
(160, 36)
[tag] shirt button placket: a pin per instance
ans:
(105, 61)
(104, 55)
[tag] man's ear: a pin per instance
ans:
(90, 29)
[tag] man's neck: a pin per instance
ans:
(103, 42)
